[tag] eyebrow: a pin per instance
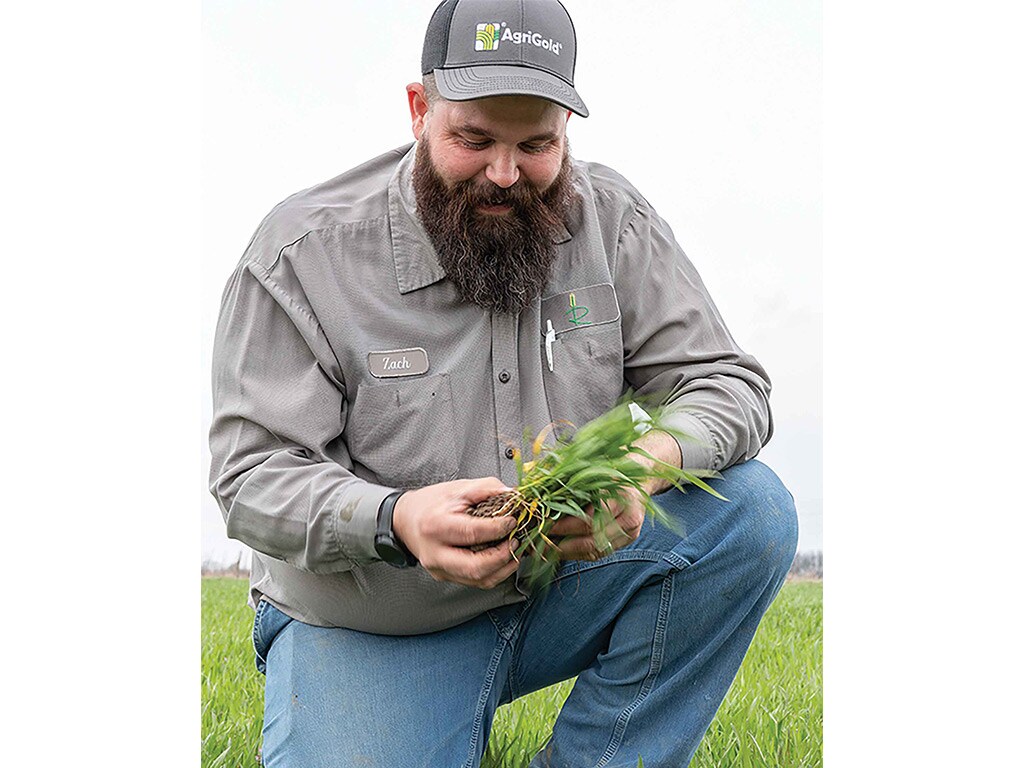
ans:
(470, 128)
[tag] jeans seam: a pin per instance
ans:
(481, 704)
(257, 628)
(513, 681)
(633, 555)
(515, 647)
(677, 561)
(494, 622)
(657, 652)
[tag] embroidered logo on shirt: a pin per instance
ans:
(398, 362)
(576, 313)
(579, 308)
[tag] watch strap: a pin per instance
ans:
(385, 528)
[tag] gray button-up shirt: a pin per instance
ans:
(346, 366)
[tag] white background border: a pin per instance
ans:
(922, 239)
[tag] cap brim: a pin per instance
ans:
(465, 83)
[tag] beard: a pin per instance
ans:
(500, 262)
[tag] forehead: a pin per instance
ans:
(503, 115)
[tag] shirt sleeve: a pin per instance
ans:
(278, 460)
(677, 347)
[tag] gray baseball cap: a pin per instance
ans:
(478, 48)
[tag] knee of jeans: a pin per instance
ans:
(766, 529)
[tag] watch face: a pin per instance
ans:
(388, 552)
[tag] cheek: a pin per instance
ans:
(541, 172)
(458, 167)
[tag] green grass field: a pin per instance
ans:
(771, 718)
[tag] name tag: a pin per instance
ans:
(398, 362)
(579, 308)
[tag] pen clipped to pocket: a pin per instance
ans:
(549, 339)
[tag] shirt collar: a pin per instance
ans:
(416, 264)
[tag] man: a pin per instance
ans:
(384, 342)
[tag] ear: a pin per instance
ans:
(417, 107)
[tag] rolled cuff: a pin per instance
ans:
(698, 450)
(355, 522)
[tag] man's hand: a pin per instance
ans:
(432, 522)
(580, 542)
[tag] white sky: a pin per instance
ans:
(713, 110)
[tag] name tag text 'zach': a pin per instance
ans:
(398, 362)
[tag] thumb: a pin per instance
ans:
(482, 488)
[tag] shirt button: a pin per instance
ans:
(503, 377)
(509, 453)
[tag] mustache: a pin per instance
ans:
(542, 209)
(521, 196)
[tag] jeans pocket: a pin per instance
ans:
(269, 621)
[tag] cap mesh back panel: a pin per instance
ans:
(435, 44)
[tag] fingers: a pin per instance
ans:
(583, 548)
(461, 530)
(618, 533)
(481, 488)
(631, 526)
(484, 569)
(567, 525)
(501, 574)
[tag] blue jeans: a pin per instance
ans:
(656, 632)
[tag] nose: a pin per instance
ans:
(502, 170)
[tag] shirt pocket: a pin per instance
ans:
(582, 363)
(404, 431)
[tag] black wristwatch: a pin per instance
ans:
(389, 548)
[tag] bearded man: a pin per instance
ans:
(384, 342)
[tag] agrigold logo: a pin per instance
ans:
(490, 34)
(487, 37)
